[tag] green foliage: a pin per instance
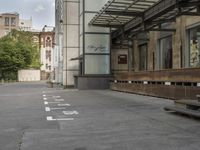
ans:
(18, 51)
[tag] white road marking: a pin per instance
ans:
(70, 113)
(46, 103)
(56, 96)
(59, 100)
(50, 118)
(64, 105)
(61, 108)
(45, 98)
(44, 95)
(47, 109)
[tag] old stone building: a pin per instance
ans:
(8, 21)
(47, 36)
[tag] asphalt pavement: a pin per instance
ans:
(34, 117)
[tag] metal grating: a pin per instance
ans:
(117, 13)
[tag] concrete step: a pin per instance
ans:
(184, 111)
(189, 104)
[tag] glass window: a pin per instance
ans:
(194, 39)
(48, 42)
(143, 57)
(97, 64)
(166, 53)
(97, 43)
(13, 21)
(6, 21)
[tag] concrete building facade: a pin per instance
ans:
(8, 21)
(58, 52)
(85, 48)
(149, 46)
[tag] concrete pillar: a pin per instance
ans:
(65, 44)
(130, 59)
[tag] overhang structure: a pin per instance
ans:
(130, 17)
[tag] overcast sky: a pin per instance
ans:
(41, 11)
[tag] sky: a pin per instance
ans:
(41, 11)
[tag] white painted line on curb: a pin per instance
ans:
(47, 109)
(70, 113)
(64, 105)
(50, 118)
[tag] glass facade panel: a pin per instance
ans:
(94, 5)
(166, 53)
(97, 43)
(89, 28)
(143, 57)
(194, 39)
(97, 64)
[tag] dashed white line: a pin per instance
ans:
(44, 95)
(45, 98)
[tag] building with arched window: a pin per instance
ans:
(46, 52)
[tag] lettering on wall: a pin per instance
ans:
(100, 48)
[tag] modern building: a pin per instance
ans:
(155, 46)
(25, 24)
(47, 36)
(150, 47)
(8, 21)
(85, 49)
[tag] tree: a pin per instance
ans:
(17, 51)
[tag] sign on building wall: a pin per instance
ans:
(122, 59)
